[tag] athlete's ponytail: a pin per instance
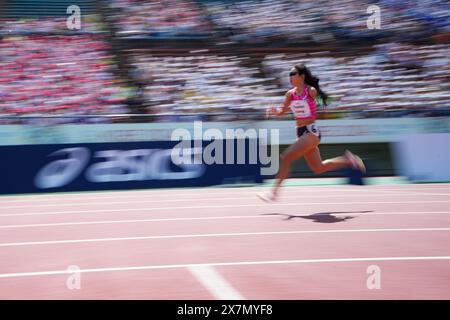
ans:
(312, 81)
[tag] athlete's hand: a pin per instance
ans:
(271, 111)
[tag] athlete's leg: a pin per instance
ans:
(302, 146)
(318, 166)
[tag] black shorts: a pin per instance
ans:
(311, 128)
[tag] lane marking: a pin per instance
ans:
(222, 264)
(260, 216)
(220, 288)
(209, 235)
(297, 196)
(192, 192)
(198, 196)
(219, 207)
(158, 193)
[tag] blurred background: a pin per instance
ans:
(94, 108)
(145, 61)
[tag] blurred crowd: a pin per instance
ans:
(46, 70)
(259, 21)
(162, 18)
(58, 75)
(202, 84)
(414, 80)
(89, 24)
(348, 19)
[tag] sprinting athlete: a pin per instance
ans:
(301, 99)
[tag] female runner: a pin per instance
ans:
(301, 99)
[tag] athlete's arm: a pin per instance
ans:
(284, 109)
(312, 92)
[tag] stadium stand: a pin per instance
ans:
(159, 19)
(47, 69)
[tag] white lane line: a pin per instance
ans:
(67, 203)
(222, 264)
(138, 194)
(219, 207)
(12, 226)
(412, 192)
(214, 283)
(209, 235)
(172, 195)
(157, 193)
(260, 216)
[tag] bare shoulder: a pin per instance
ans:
(288, 94)
(312, 92)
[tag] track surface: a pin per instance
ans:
(319, 242)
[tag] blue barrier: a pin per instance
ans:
(108, 166)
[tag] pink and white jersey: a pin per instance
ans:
(302, 106)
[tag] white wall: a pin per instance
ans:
(423, 157)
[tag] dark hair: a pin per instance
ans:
(312, 81)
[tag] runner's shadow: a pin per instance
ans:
(321, 217)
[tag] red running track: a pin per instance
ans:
(321, 242)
